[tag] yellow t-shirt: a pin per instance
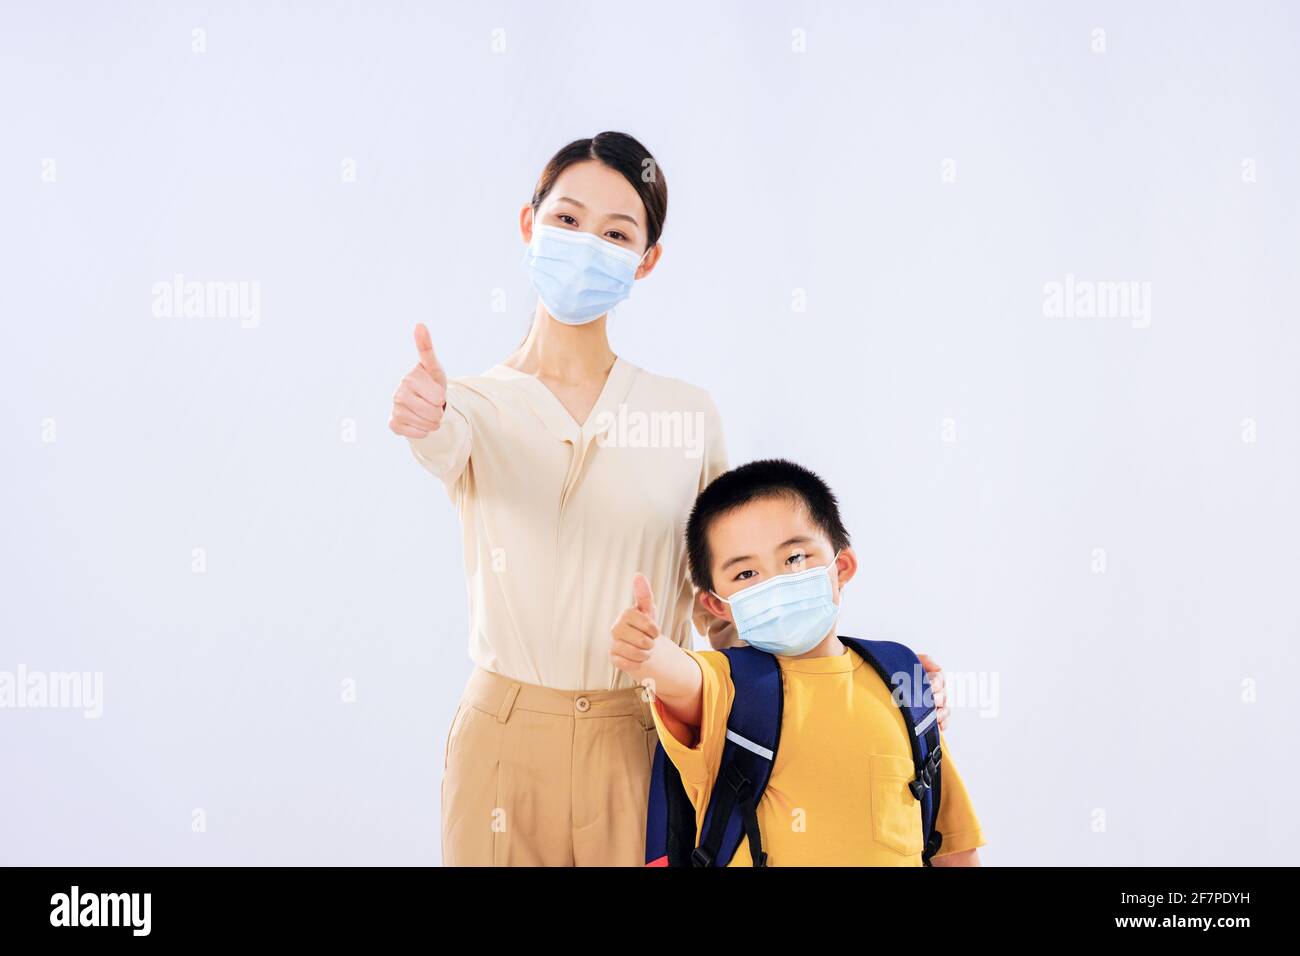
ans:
(838, 792)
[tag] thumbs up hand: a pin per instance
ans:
(421, 397)
(636, 633)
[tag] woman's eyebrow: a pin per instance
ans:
(612, 215)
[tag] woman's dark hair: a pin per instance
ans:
(769, 478)
(623, 154)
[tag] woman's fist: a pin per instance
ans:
(421, 397)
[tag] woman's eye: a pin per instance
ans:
(616, 236)
(566, 219)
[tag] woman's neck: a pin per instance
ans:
(563, 353)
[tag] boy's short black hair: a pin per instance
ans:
(768, 478)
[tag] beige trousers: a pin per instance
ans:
(541, 777)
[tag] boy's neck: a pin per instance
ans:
(830, 646)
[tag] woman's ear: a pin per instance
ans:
(526, 223)
(649, 262)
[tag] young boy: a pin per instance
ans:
(838, 792)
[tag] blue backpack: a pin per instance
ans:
(753, 733)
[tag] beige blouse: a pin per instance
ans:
(557, 517)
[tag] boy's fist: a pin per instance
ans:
(635, 631)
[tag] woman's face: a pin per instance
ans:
(591, 197)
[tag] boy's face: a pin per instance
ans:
(764, 538)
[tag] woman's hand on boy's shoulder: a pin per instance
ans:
(937, 686)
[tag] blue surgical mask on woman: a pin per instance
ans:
(578, 276)
(788, 614)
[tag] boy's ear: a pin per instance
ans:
(712, 619)
(709, 602)
(847, 565)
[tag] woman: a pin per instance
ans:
(548, 758)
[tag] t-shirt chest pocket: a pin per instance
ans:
(895, 813)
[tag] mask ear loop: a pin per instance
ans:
(832, 567)
(612, 314)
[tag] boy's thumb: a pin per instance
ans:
(642, 596)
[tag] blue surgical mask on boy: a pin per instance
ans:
(788, 614)
(578, 276)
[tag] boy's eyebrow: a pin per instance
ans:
(797, 539)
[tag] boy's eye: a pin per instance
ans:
(796, 558)
(744, 575)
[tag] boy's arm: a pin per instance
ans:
(963, 858)
(654, 661)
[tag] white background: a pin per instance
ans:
(1151, 696)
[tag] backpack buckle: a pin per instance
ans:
(933, 760)
(925, 778)
(701, 857)
(739, 783)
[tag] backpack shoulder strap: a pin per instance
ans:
(909, 685)
(753, 733)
